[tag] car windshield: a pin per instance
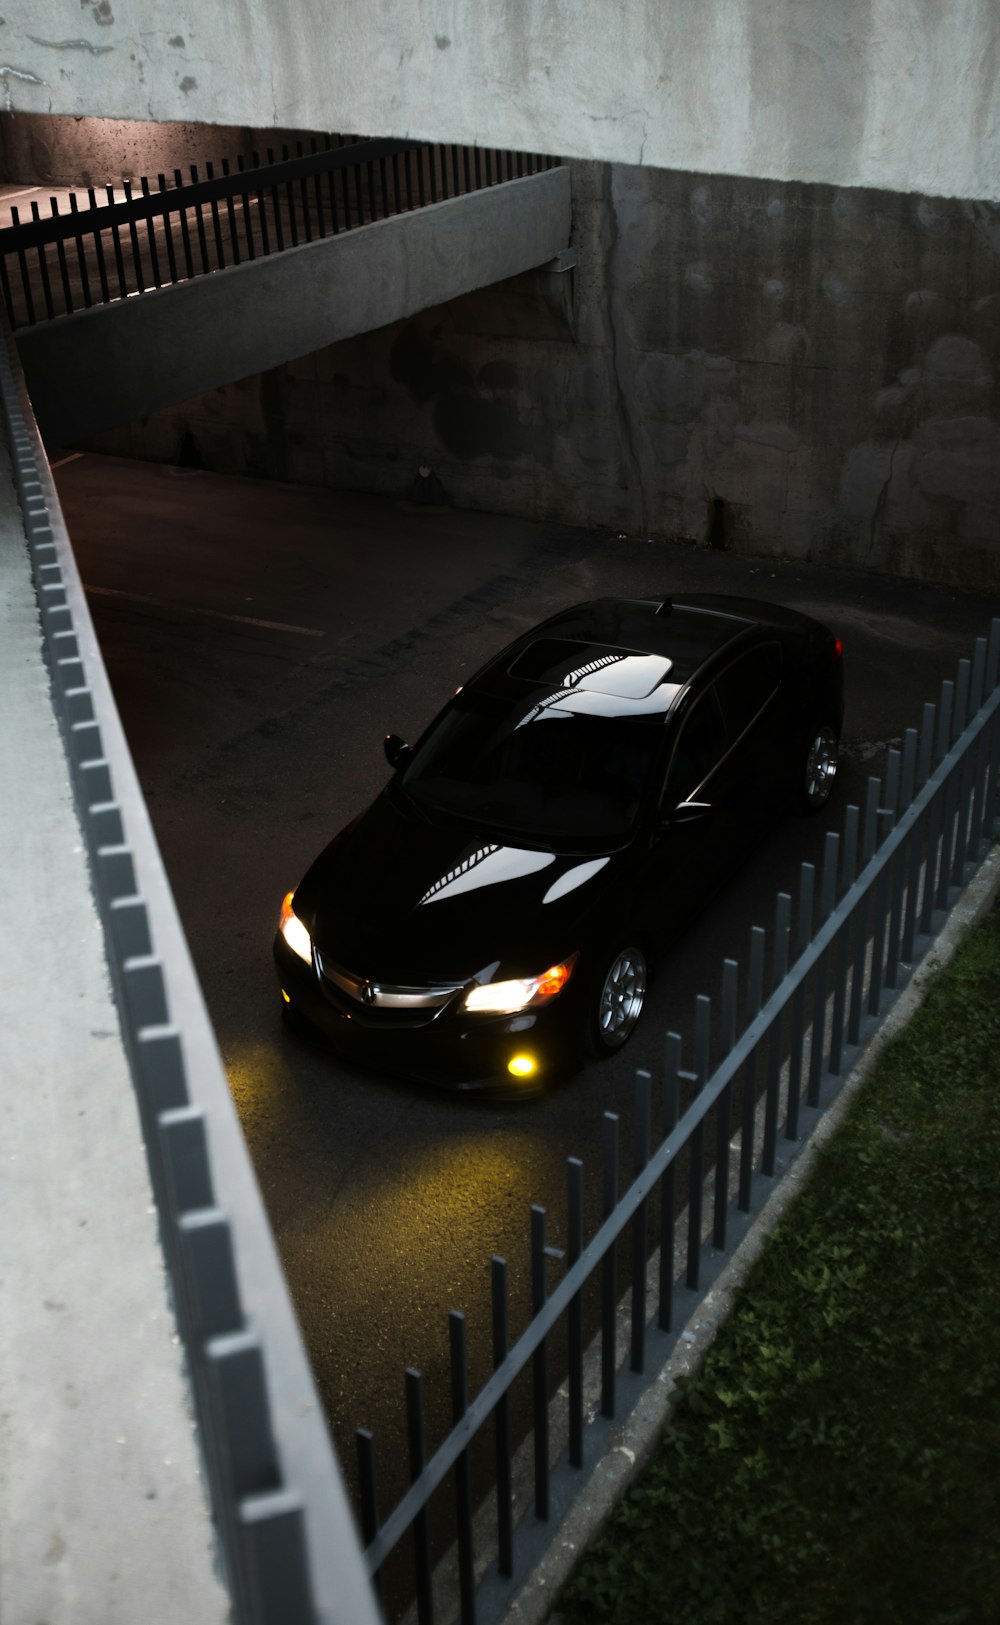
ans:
(570, 767)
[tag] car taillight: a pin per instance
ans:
(838, 648)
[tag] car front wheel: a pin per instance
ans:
(617, 998)
(819, 768)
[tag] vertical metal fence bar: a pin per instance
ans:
(185, 230)
(782, 943)
(978, 676)
(304, 197)
(609, 1288)
(641, 1146)
(501, 1419)
(964, 812)
(539, 1365)
(468, 169)
(993, 655)
(81, 261)
(416, 1436)
(869, 835)
(368, 1489)
(976, 800)
(248, 237)
(848, 873)
(43, 267)
(755, 1000)
(102, 272)
(909, 771)
(133, 237)
(828, 890)
(61, 258)
(372, 194)
(154, 258)
(668, 1184)
(317, 193)
(396, 194)
(199, 220)
(234, 235)
(220, 252)
(331, 186)
(724, 1109)
(265, 241)
(383, 171)
(897, 877)
(463, 1488)
(807, 886)
(914, 850)
(279, 228)
(574, 1313)
(408, 176)
(293, 224)
(875, 983)
(931, 863)
(990, 814)
(22, 263)
(168, 234)
(860, 947)
(696, 1143)
(358, 199)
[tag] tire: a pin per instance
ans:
(617, 996)
(818, 771)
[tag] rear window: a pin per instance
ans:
(745, 687)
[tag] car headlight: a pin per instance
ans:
(506, 998)
(294, 932)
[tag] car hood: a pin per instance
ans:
(404, 900)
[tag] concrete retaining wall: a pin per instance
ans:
(788, 369)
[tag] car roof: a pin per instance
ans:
(618, 656)
(688, 631)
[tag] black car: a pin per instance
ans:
(492, 917)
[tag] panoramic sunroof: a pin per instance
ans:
(592, 667)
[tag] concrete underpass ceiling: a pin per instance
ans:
(895, 94)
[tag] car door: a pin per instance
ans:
(687, 846)
(754, 776)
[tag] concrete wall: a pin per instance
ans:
(900, 94)
(787, 369)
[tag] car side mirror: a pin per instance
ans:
(397, 751)
(691, 812)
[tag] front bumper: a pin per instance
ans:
(447, 1048)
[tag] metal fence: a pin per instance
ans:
(789, 1030)
(127, 243)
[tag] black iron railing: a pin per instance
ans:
(835, 963)
(96, 251)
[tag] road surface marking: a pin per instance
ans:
(213, 614)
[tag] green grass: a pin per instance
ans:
(837, 1459)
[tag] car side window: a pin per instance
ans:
(699, 748)
(745, 687)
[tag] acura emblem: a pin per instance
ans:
(369, 992)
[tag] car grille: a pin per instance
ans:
(380, 1004)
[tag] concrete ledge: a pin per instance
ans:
(105, 366)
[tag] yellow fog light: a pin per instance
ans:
(522, 1066)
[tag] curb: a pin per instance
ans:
(636, 1440)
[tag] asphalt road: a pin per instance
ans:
(261, 640)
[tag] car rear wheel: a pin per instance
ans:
(819, 768)
(617, 998)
